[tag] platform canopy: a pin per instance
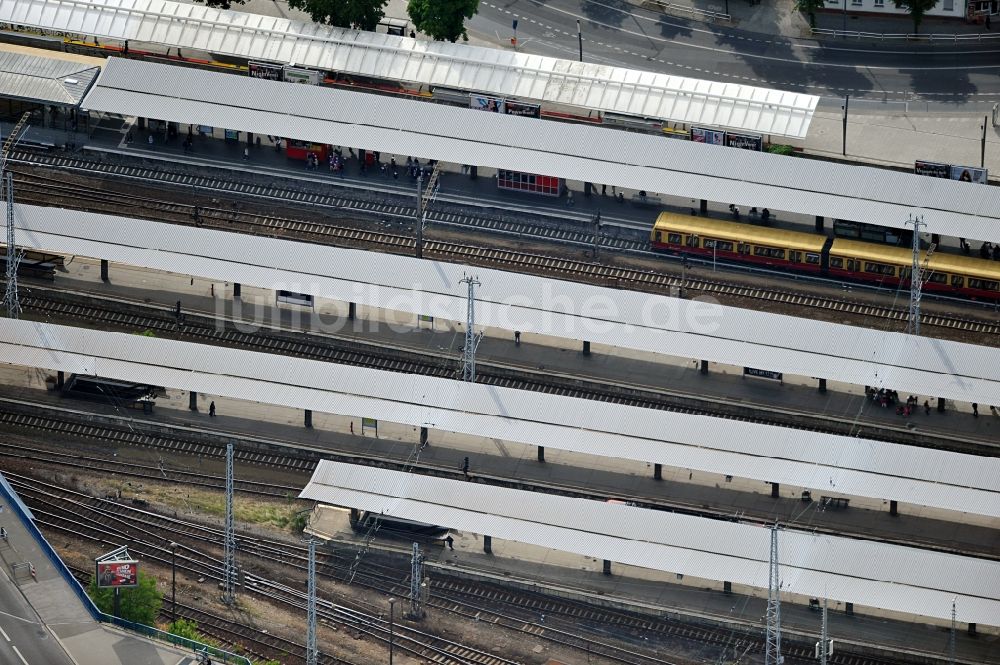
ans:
(44, 80)
(889, 577)
(576, 152)
(510, 301)
(836, 464)
(474, 68)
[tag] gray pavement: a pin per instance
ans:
(42, 606)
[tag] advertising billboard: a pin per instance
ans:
(712, 136)
(494, 104)
(745, 141)
(969, 174)
(932, 169)
(117, 574)
(265, 70)
(297, 75)
(522, 109)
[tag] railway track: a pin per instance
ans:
(53, 304)
(70, 511)
(44, 190)
(519, 611)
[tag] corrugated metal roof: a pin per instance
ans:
(844, 465)
(46, 80)
(511, 301)
(592, 154)
(891, 577)
(500, 72)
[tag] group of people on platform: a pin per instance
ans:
(889, 398)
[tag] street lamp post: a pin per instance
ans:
(173, 580)
(392, 607)
(579, 37)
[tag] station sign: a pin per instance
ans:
(117, 574)
(266, 70)
(299, 75)
(932, 169)
(762, 373)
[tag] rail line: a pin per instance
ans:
(451, 594)
(302, 460)
(64, 509)
(43, 190)
(132, 316)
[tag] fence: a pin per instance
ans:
(177, 640)
(693, 12)
(916, 37)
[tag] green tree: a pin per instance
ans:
(810, 7)
(358, 14)
(140, 604)
(442, 19)
(186, 629)
(917, 9)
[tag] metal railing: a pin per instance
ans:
(909, 36)
(694, 12)
(217, 654)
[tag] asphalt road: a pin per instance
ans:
(23, 640)
(616, 32)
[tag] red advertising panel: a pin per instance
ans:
(112, 574)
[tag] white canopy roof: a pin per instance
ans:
(844, 465)
(891, 577)
(474, 68)
(577, 152)
(627, 319)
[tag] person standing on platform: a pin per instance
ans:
(927, 408)
(517, 338)
(450, 541)
(211, 410)
(465, 468)
(975, 410)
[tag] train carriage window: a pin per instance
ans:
(769, 252)
(983, 284)
(692, 241)
(658, 236)
(743, 248)
(836, 262)
(957, 281)
(674, 238)
(795, 257)
(853, 265)
(938, 278)
(812, 259)
(880, 269)
(720, 245)
(904, 273)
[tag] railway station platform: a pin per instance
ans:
(558, 573)
(566, 574)
(107, 139)
(54, 610)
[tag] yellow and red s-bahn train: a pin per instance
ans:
(833, 257)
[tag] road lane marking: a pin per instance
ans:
(19, 654)
(5, 635)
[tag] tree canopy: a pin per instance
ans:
(810, 7)
(442, 19)
(140, 604)
(917, 9)
(358, 14)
